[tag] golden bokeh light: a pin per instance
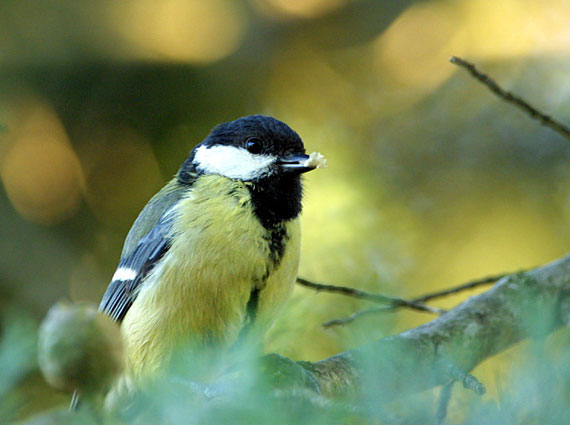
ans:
(505, 235)
(179, 30)
(304, 84)
(297, 8)
(40, 171)
(414, 50)
(484, 236)
(514, 28)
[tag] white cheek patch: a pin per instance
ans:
(231, 162)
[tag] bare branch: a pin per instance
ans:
(517, 307)
(393, 306)
(469, 381)
(509, 97)
(472, 284)
(391, 302)
(354, 316)
(444, 397)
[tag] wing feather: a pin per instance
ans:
(136, 265)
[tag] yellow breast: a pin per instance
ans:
(198, 293)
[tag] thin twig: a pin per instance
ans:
(472, 284)
(509, 97)
(456, 375)
(354, 316)
(392, 302)
(75, 401)
(444, 397)
(469, 381)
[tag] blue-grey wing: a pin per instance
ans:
(133, 268)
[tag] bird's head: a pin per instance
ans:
(251, 148)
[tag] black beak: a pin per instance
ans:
(294, 164)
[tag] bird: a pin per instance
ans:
(214, 255)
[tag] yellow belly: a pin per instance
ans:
(197, 295)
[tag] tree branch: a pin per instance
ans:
(519, 306)
(509, 97)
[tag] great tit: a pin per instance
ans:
(215, 253)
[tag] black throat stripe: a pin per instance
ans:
(276, 199)
(277, 238)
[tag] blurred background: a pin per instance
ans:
(431, 180)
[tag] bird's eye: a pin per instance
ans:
(253, 145)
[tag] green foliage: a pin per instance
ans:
(17, 359)
(535, 391)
